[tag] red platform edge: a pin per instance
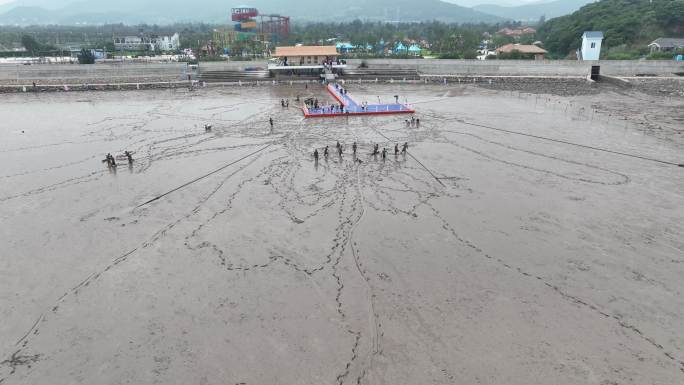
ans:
(334, 95)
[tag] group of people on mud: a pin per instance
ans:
(111, 161)
(342, 91)
(413, 122)
(311, 103)
(285, 103)
(332, 108)
(374, 153)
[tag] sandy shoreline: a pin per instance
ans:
(483, 257)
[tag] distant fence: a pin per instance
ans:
(231, 65)
(110, 72)
(140, 72)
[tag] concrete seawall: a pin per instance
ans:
(96, 73)
(495, 67)
(59, 74)
(527, 67)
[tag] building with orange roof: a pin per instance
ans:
(306, 60)
(517, 32)
(524, 49)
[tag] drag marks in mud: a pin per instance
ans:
(565, 295)
(34, 330)
(19, 358)
(90, 177)
(618, 178)
(583, 172)
(301, 204)
(344, 189)
(50, 168)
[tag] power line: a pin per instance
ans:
(414, 158)
(203, 176)
(573, 144)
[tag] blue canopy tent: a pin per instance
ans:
(400, 49)
(414, 50)
(344, 47)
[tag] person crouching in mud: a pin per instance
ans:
(110, 160)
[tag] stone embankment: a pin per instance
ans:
(567, 77)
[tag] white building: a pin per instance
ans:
(132, 43)
(127, 42)
(168, 43)
(151, 43)
(591, 45)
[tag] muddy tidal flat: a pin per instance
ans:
(524, 238)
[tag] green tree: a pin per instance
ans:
(86, 57)
(31, 45)
(632, 23)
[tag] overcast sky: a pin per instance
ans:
(464, 2)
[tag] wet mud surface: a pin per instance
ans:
(506, 246)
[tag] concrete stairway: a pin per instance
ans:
(233, 76)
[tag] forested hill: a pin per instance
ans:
(74, 12)
(534, 10)
(623, 22)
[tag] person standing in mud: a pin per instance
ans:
(339, 151)
(417, 123)
(129, 156)
(404, 148)
(270, 121)
(354, 148)
(338, 145)
(375, 149)
(396, 149)
(325, 152)
(110, 160)
(316, 155)
(384, 153)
